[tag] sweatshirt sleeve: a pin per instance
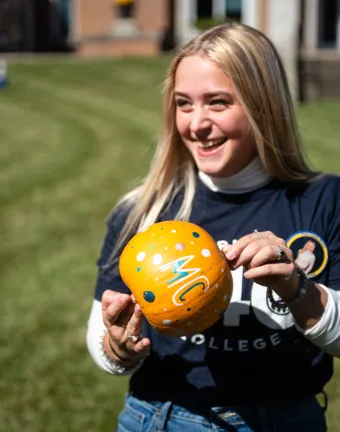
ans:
(326, 333)
(108, 278)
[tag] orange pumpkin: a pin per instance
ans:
(178, 275)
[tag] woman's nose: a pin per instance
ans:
(200, 124)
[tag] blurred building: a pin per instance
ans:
(119, 27)
(307, 35)
(319, 56)
(306, 32)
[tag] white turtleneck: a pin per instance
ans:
(250, 178)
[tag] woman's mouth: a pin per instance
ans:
(211, 145)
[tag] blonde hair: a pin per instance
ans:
(253, 64)
(305, 246)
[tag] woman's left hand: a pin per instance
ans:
(267, 261)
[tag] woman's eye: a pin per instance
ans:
(182, 103)
(219, 102)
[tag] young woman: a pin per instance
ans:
(230, 160)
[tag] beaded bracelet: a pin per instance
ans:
(111, 364)
(281, 305)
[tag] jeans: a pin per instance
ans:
(305, 415)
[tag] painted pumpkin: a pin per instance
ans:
(178, 275)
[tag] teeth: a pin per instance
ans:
(210, 143)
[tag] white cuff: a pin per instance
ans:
(94, 340)
(326, 332)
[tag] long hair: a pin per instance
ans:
(252, 63)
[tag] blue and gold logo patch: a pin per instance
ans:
(310, 252)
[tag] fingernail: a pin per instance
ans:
(226, 248)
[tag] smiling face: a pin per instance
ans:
(310, 246)
(210, 119)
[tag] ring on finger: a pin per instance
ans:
(134, 338)
(280, 253)
(257, 232)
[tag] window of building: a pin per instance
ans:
(212, 12)
(329, 11)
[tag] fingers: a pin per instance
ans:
(259, 252)
(125, 315)
(123, 318)
(246, 254)
(284, 270)
(233, 251)
(107, 298)
(134, 326)
(259, 238)
(270, 253)
(129, 350)
(264, 256)
(133, 330)
(141, 347)
(131, 340)
(113, 305)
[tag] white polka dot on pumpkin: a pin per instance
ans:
(216, 286)
(173, 231)
(180, 246)
(167, 322)
(225, 297)
(141, 256)
(205, 253)
(157, 259)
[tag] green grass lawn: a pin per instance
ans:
(74, 136)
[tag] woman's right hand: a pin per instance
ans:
(123, 318)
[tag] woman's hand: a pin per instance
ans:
(267, 261)
(123, 319)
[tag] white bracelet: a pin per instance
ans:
(112, 365)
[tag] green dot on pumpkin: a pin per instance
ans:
(149, 296)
